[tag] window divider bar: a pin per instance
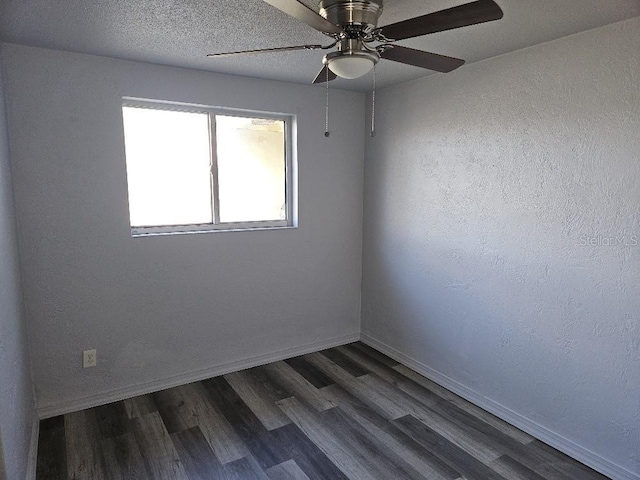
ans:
(289, 170)
(215, 188)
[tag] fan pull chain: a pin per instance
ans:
(373, 105)
(326, 123)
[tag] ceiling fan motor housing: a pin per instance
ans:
(363, 15)
(352, 59)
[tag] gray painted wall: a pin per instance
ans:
(17, 414)
(166, 306)
(484, 189)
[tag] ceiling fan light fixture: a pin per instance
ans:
(351, 64)
(360, 43)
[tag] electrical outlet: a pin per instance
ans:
(89, 358)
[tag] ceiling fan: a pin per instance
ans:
(360, 43)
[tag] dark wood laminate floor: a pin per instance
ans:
(344, 413)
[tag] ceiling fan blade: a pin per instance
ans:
(418, 58)
(267, 50)
(461, 16)
(322, 76)
(305, 14)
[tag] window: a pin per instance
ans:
(194, 169)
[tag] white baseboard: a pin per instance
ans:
(48, 411)
(33, 450)
(543, 434)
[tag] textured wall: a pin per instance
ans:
(165, 306)
(17, 412)
(491, 196)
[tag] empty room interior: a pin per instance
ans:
(282, 239)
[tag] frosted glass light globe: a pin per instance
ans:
(350, 64)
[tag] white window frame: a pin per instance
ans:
(290, 186)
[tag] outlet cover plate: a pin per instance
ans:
(89, 358)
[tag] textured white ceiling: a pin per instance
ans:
(180, 33)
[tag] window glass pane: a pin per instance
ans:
(251, 168)
(168, 167)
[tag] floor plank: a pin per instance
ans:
(257, 399)
(336, 356)
(297, 386)
(52, 451)
(138, 406)
(160, 457)
(372, 353)
(198, 459)
(122, 458)
(308, 456)
(247, 426)
(513, 470)
(335, 444)
(376, 400)
(82, 438)
(463, 404)
(369, 448)
(112, 419)
(244, 469)
(270, 386)
(221, 436)
(456, 457)
(310, 373)
(288, 470)
(394, 440)
(470, 440)
(394, 378)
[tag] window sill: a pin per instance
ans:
(150, 233)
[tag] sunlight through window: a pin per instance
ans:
(178, 183)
